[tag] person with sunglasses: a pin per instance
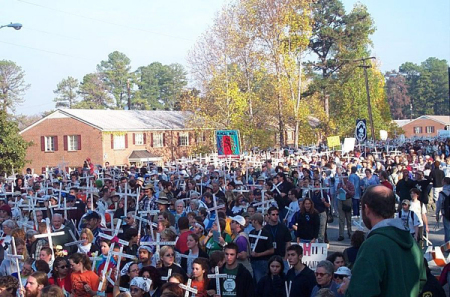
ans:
(324, 277)
(167, 255)
(281, 236)
(61, 274)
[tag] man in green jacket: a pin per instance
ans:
(389, 262)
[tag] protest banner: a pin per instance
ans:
(227, 143)
(333, 141)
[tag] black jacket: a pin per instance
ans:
(244, 282)
(268, 287)
(303, 283)
(308, 225)
(201, 254)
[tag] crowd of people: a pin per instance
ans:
(227, 228)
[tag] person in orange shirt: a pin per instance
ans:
(84, 281)
(199, 276)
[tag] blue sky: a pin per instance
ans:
(69, 38)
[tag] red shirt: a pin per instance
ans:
(388, 185)
(64, 283)
(200, 286)
(182, 242)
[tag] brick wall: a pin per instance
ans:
(409, 128)
(91, 144)
(170, 146)
(97, 145)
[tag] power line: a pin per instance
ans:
(52, 33)
(45, 51)
(105, 22)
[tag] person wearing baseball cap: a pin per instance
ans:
(242, 241)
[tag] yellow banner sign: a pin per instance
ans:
(333, 141)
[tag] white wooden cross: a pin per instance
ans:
(217, 276)
(275, 187)
(94, 260)
(141, 220)
(290, 210)
(75, 241)
(158, 243)
(258, 237)
(188, 257)
(65, 208)
(16, 258)
(216, 210)
(288, 287)
(169, 274)
(116, 232)
(120, 255)
(49, 236)
(188, 288)
(105, 269)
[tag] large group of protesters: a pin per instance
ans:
(221, 227)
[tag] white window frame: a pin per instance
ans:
(418, 130)
(158, 139)
(49, 143)
(119, 142)
(184, 138)
(72, 143)
(429, 129)
(139, 138)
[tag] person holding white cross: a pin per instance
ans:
(239, 281)
(261, 245)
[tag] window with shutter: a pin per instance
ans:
(183, 139)
(139, 138)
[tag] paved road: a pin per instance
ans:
(436, 236)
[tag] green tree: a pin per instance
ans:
(337, 38)
(350, 100)
(13, 148)
(161, 85)
(115, 74)
(12, 85)
(94, 93)
(67, 92)
(427, 86)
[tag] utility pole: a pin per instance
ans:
(129, 96)
(365, 66)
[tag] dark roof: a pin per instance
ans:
(142, 154)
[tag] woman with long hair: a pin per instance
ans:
(200, 278)
(272, 284)
(308, 222)
(61, 275)
(84, 281)
(194, 252)
(7, 267)
(167, 256)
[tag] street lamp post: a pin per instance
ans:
(16, 26)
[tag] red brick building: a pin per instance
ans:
(121, 137)
(424, 126)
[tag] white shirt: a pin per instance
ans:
(415, 206)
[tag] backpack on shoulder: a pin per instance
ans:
(446, 205)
